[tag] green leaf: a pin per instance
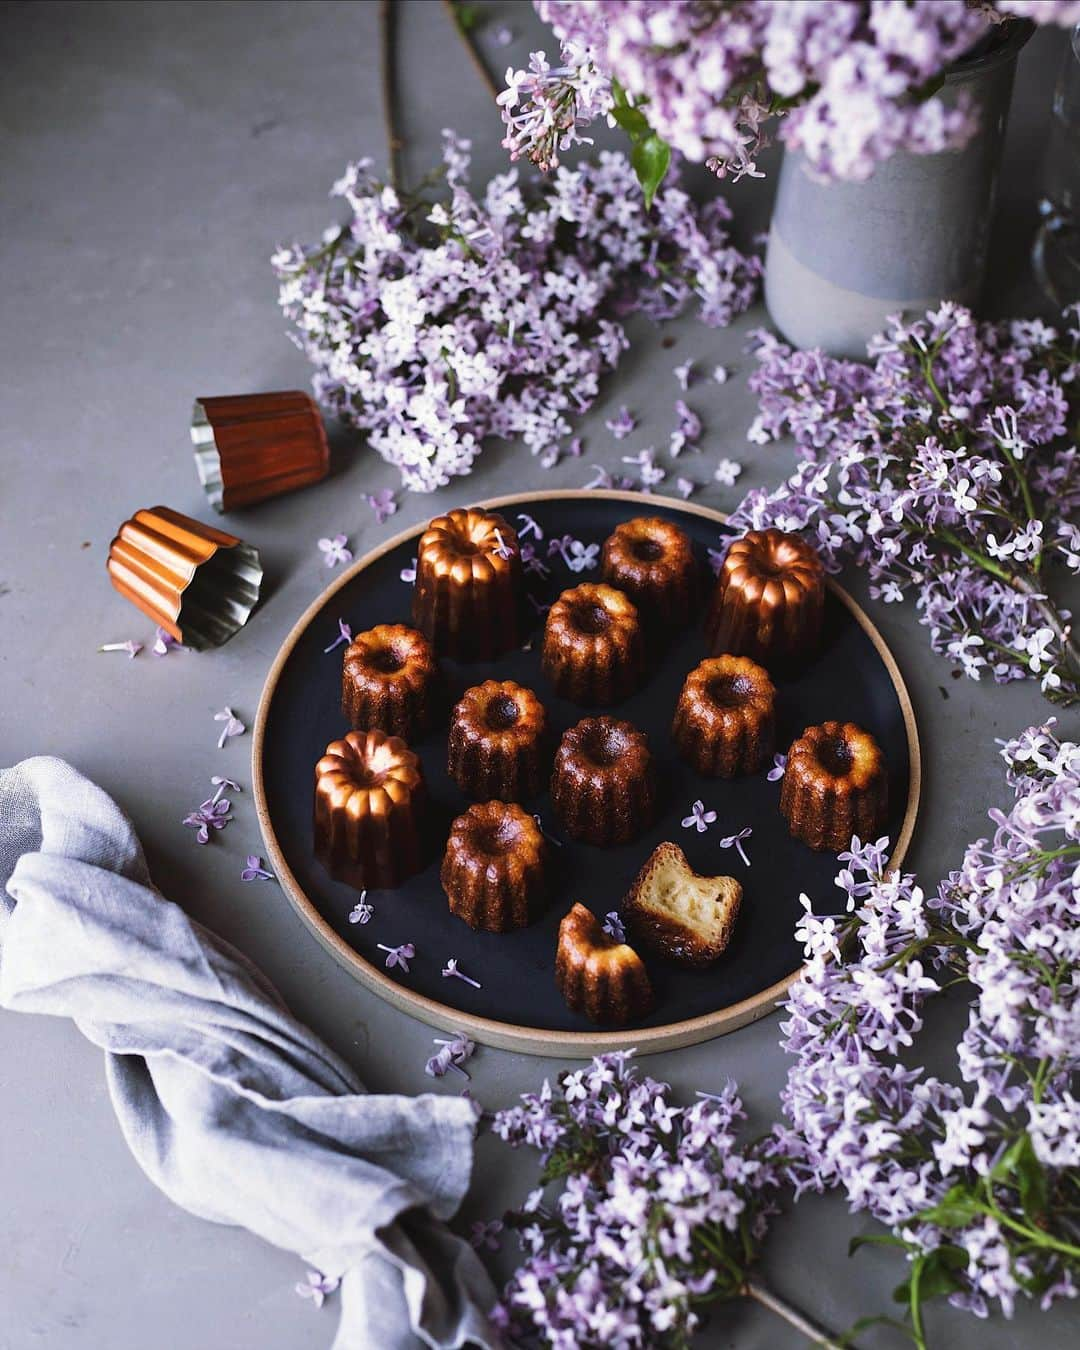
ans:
(650, 159)
(874, 1240)
(1018, 1166)
(633, 121)
(957, 1208)
(939, 1273)
(618, 93)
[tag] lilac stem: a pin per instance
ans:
(817, 1335)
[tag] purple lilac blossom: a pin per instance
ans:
(845, 81)
(497, 318)
(948, 470)
(997, 1146)
(624, 1254)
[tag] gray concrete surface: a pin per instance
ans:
(152, 157)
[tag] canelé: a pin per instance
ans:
(593, 650)
(388, 679)
(652, 561)
(597, 974)
(835, 785)
(493, 868)
(725, 722)
(370, 800)
(603, 785)
(768, 601)
(497, 743)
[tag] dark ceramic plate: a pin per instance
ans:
(854, 678)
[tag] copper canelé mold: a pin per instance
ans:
(249, 447)
(197, 582)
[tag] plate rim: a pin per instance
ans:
(509, 1035)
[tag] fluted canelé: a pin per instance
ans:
(493, 868)
(370, 801)
(768, 601)
(467, 600)
(835, 785)
(388, 679)
(498, 742)
(603, 786)
(597, 975)
(651, 560)
(594, 652)
(725, 721)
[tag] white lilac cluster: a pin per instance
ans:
(435, 324)
(976, 1180)
(852, 81)
(660, 1210)
(948, 469)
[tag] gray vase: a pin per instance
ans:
(843, 256)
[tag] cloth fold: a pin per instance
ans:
(232, 1107)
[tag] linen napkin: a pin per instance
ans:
(232, 1107)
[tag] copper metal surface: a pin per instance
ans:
(249, 447)
(197, 582)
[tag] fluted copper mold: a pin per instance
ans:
(725, 720)
(498, 742)
(597, 975)
(197, 582)
(493, 868)
(370, 802)
(388, 681)
(835, 785)
(769, 600)
(249, 447)
(467, 600)
(603, 786)
(652, 561)
(594, 650)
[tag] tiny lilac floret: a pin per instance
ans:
(684, 373)
(232, 725)
(335, 550)
(398, 956)
(344, 635)
(721, 374)
(452, 1054)
(779, 764)
(362, 911)
(408, 574)
(317, 1287)
(383, 503)
(451, 969)
(613, 926)
(622, 424)
(131, 647)
(255, 871)
(685, 487)
(699, 819)
(727, 471)
(164, 642)
(528, 528)
(736, 840)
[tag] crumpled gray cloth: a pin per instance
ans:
(232, 1107)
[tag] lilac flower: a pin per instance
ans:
(779, 764)
(452, 1054)
(577, 555)
(344, 635)
(613, 926)
(622, 424)
(846, 85)
(502, 549)
(530, 562)
(163, 642)
(659, 1209)
(397, 956)
(213, 814)
(685, 487)
(716, 559)
(408, 574)
(721, 374)
(736, 839)
(317, 1286)
(485, 1236)
(255, 871)
(945, 469)
(528, 529)
(335, 551)
(683, 374)
(496, 313)
(503, 35)
(603, 479)
(451, 969)
(383, 503)
(699, 819)
(232, 726)
(726, 472)
(649, 471)
(132, 648)
(362, 911)
(687, 433)
(954, 1160)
